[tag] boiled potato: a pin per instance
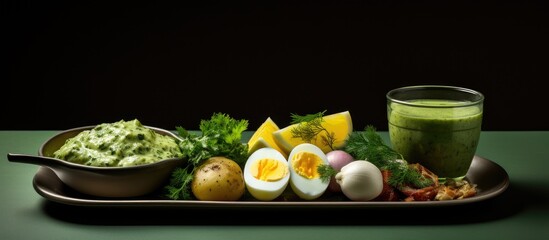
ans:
(218, 179)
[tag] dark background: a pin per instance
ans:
(71, 64)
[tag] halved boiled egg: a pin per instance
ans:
(266, 174)
(305, 180)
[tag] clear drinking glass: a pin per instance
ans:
(436, 126)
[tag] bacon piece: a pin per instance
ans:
(421, 194)
(436, 191)
(388, 193)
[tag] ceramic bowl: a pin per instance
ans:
(110, 182)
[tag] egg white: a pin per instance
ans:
(264, 190)
(305, 188)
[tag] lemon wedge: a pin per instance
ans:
(340, 124)
(263, 137)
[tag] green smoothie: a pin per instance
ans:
(442, 135)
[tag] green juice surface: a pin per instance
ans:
(443, 139)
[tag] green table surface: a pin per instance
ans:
(521, 212)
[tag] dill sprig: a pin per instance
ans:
(180, 182)
(369, 145)
(309, 128)
(326, 172)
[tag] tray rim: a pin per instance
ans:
(45, 174)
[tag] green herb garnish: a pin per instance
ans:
(326, 172)
(221, 136)
(369, 145)
(310, 126)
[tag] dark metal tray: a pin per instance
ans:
(491, 180)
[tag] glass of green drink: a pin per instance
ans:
(436, 126)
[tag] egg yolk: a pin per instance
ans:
(306, 164)
(269, 170)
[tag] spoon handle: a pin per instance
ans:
(32, 159)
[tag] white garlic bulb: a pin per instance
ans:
(360, 180)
